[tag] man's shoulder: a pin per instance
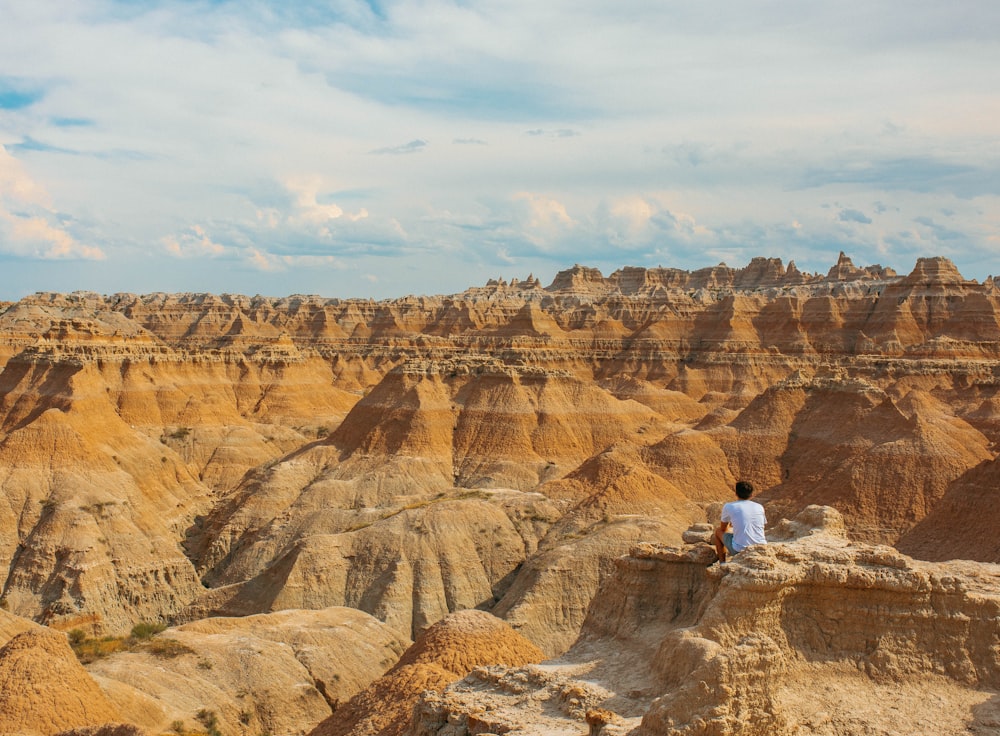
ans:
(745, 504)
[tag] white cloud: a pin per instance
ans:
(27, 219)
(307, 209)
(16, 186)
(35, 237)
(262, 261)
(192, 244)
(543, 214)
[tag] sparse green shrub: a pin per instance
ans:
(209, 720)
(147, 629)
(90, 650)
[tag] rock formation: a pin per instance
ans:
(810, 634)
(447, 651)
(11, 626)
(168, 457)
(276, 673)
(43, 689)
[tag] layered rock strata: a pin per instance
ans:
(151, 445)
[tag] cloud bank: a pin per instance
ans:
(385, 148)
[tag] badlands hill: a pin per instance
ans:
(170, 458)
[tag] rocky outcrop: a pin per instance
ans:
(408, 565)
(168, 457)
(884, 461)
(793, 637)
(277, 673)
(371, 517)
(447, 651)
(44, 690)
(11, 626)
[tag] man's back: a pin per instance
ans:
(748, 521)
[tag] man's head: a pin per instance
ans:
(743, 489)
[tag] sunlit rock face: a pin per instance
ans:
(172, 456)
(270, 673)
(44, 689)
(302, 486)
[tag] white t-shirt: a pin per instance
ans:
(747, 518)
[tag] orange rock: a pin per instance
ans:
(43, 689)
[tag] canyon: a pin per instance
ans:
(333, 504)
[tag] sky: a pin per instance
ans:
(381, 148)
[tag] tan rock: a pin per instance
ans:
(842, 442)
(277, 673)
(447, 651)
(814, 635)
(409, 566)
(494, 448)
(44, 690)
(11, 626)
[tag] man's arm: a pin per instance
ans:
(720, 546)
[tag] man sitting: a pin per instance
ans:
(747, 520)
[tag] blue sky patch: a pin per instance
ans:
(30, 144)
(72, 122)
(16, 95)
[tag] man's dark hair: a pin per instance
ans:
(743, 489)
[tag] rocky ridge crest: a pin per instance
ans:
(172, 457)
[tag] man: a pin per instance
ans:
(747, 520)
